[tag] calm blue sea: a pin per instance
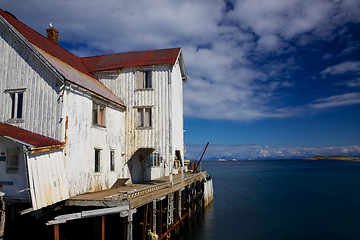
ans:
(280, 199)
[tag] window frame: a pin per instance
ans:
(144, 80)
(143, 122)
(17, 103)
(97, 160)
(98, 114)
(154, 160)
(112, 160)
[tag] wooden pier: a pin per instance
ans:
(152, 209)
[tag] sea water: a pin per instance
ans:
(280, 199)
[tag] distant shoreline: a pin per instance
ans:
(337, 157)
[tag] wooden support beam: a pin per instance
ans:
(103, 228)
(173, 227)
(56, 232)
(130, 226)
(179, 203)
(145, 221)
(2, 217)
(154, 217)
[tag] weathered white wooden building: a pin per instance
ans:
(71, 125)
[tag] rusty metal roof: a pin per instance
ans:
(71, 65)
(131, 59)
(26, 136)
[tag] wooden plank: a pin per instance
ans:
(103, 211)
(85, 214)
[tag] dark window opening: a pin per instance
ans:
(97, 160)
(112, 162)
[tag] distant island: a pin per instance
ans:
(336, 157)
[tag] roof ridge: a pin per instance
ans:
(138, 51)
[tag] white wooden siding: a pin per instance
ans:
(47, 178)
(84, 137)
(123, 84)
(19, 68)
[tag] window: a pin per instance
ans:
(143, 79)
(97, 160)
(143, 117)
(98, 114)
(12, 163)
(17, 99)
(154, 160)
(112, 162)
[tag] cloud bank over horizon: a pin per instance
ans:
(250, 151)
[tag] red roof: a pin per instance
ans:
(27, 137)
(131, 59)
(42, 42)
(74, 71)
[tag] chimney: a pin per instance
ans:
(53, 35)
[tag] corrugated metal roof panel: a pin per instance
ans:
(81, 79)
(27, 137)
(131, 59)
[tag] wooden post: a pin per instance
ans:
(161, 218)
(145, 221)
(103, 227)
(154, 217)
(189, 193)
(130, 226)
(179, 203)
(56, 232)
(2, 217)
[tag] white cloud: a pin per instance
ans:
(222, 49)
(245, 151)
(342, 68)
(337, 101)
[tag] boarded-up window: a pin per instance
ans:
(12, 160)
(98, 114)
(144, 118)
(97, 160)
(143, 79)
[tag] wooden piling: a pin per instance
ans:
(56, 232)
(103, 227)
(130, 226)
(2, 217)
(154, 217)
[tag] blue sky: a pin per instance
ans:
(267, 78)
